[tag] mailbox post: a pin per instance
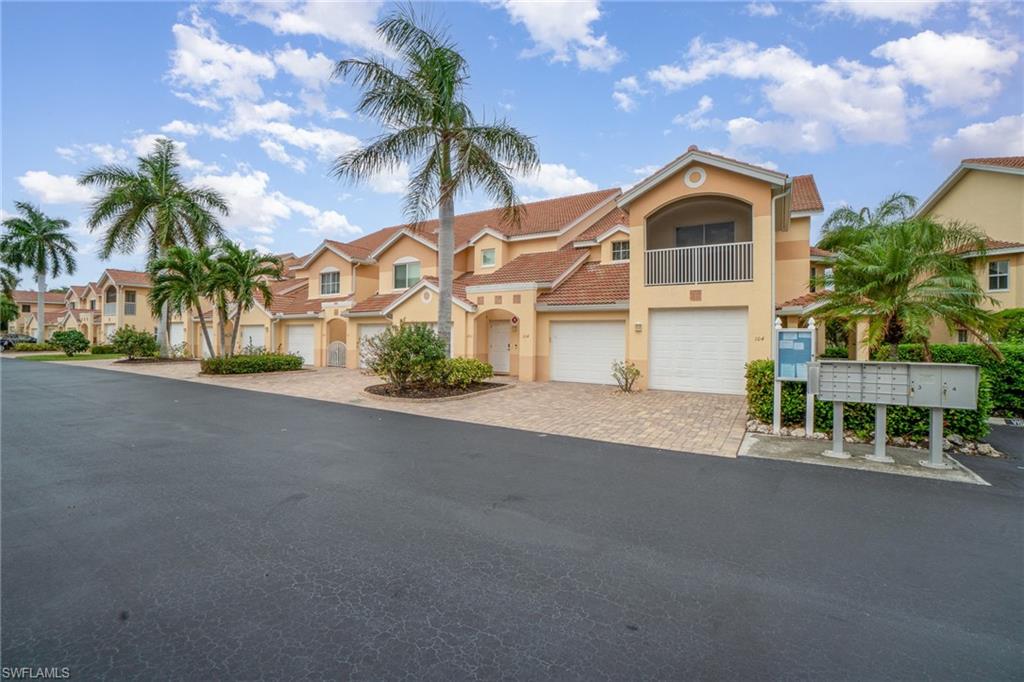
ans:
(794, 352)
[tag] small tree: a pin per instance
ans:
(625, 375)
(71, 341)
(134, 344)
(406, 354)
(9, 311)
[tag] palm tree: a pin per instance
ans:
(8, 311)
(40, 243)
(902, 278)
(8, 275)
(430, 127)
(846, 227)
(244, 274)
(181, 278)
(154, 204)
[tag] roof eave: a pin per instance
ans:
(642, 187)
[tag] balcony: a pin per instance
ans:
(713, 263)
(110, 308)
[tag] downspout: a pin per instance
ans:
(787, 189)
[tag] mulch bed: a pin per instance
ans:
(152, 361)
(428, 392)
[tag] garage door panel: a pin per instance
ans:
(300, 340)
(583, 352)
(367, 332)
(177, 333)
(252, 335)
(702, 350)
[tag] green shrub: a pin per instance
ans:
(252, 364)
(836, 353)
(625, 375)
(461, 372)
(133, 343)
(909, 422)
(1011, 325)
(405, 354)
(29, 347)
(1007, 377)
(71, 341)
(103, 349)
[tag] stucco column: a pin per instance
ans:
(863, 353)
(528, 347)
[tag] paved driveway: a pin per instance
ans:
(685, 422)
(165, 530)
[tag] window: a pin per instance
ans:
(330, 283)
(487, 258)
(26, 308)
(92, 304)
(999, 275)
(406, 274)
(703, 235)
(620, 250)
(814, 275)
(129, 303)
(961, 336)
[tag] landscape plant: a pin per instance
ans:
(461, 373)
(71, 341)
(431, 129)
(244, 275)
(405, 354)
(251, 364)
(1010, 325)
(8, 311)
(31, 347)
(103, 349)
(133, 343)
(625, 374)
(181, 278)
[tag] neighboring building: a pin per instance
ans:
(120, 302)
(28, 303)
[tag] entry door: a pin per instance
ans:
(300, 340)
(252, 335)
(499, 344)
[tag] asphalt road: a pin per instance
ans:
(159, 529)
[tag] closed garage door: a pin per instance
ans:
(702, 350)
(177, 333)
(253, 335)
(584, 351)
(300, 340)
(367, 331)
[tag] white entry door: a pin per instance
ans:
(366, 332)
(584, 351)
(177, 333)
(252, 335)
(108, 331)
(499, 345)
(700, 349)
(300, 340)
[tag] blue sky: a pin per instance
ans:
(869, 97)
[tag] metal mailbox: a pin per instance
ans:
(885, 383)
(920, 384)
(943, 385)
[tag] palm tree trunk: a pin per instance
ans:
(163, 329)
(222, 319)
(206, 332)
(445, 257)
(234, 327)
(41, 305)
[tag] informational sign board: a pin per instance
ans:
(796, 351)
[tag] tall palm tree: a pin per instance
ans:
(36, 241)
(430, 126)
(905, 276)
(244, 274)
(846, 227)
(181, 278)
(154, 204)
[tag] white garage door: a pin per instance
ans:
(367, 331)
(177, 333)
(702, 350)
(584, 351)
(253, 335)
(108, 330)
(300, 340)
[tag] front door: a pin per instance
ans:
(499, 344)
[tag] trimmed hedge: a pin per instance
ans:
(1007, 377)
(30, 347)
(252, 364)
(909, 422)
(836, 353)
(462, 372)
(103, 349)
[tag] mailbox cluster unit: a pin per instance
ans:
(896, 383)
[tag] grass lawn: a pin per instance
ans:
(73, 358)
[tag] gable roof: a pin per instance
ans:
(132, 278)
(291, 297)
(992, 247)
(806, 198)
(79, 290)
(695, 154)
(801, 304)
(543, 268)
(27, 296)
(1013, 165)
(349, 251)
(591, 284)
(616, 217)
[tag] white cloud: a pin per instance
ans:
(330, 224)
(311, 70)
(204, 102)
(105, 153)
(180, 128)
(142, 145)
(624, 101)
(211, 68)
(351, 23)
(277, 152)
(694, 119)
(1002, 137)
(392, 182)
(955, 69)
(67, 153)
(912, 12)
(564, 30)
(761, 9)
(626, 90)
(55, 189)
(811, 136)
(556, 179)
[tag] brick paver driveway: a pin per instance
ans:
(688, 422)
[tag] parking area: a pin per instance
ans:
(700, 423)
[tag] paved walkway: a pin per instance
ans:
(687, 422)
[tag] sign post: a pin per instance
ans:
(794, 351)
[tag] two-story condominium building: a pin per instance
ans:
(120, 298)
(28, 304)
(680, 274)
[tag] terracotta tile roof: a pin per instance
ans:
(375, 303)
(821, 253)
(999, 161)
(293, 301)
(990, 245)
(374, 239)
(545, 266)
(592, 284)
(801, 301)
(79, 289)
(26, 296)
(614, 217)
(128, 277)
(805, 194)
(458, 286)
(352, 249)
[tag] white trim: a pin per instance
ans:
(954, 178)
(614, 229)
(494, 254)
(550, 307)
(325, 246)
(1004, 251)
(364, 313)
(406, 259)
(702, 177)
(806, 214)
(408, 293)
(487, 230)
(347, 303)
(610, 200)
(506, 286)
(696, 155)
(296, 316)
